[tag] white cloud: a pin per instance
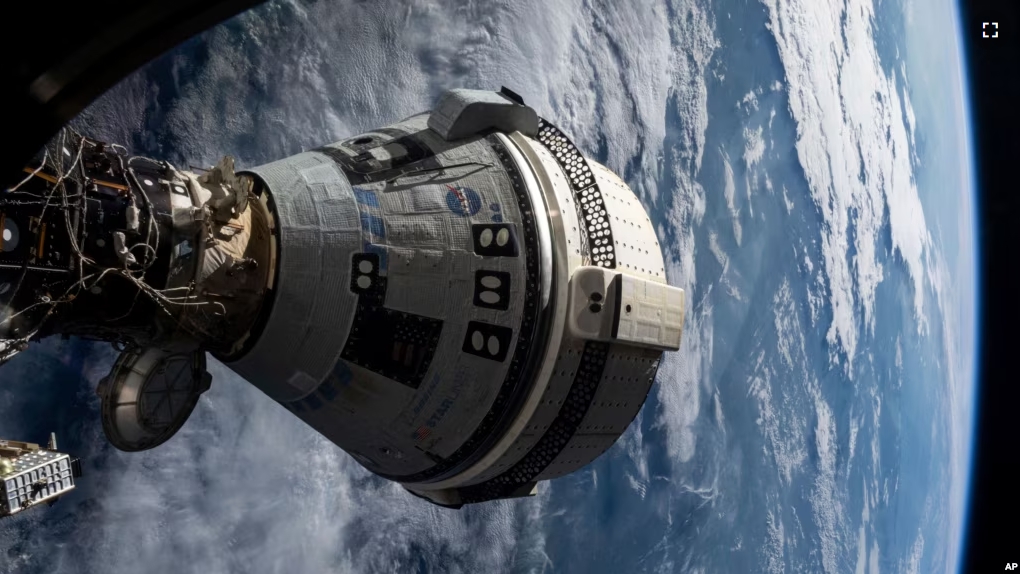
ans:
(782, 430)
(913, 561)
(720, 419)
(749, 102)
(852, 145)
(633, 447)
(600, 70)
(908, 110)
(730, 193)
(789, 337)
(826, 496)
(855, 427)
(754, 146)
(864, 559)
(637, 485)
(246, 486)
(717, 251)
(899, 354)
(778, 419)
(681, 373)
(775, 541)
(680, 377)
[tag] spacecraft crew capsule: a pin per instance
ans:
(460, 300)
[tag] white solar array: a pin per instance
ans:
(38, 476)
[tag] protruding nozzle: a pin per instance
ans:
(52, 445)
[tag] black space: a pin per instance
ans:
(56, 59)
(994, 67)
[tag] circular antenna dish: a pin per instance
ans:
(149, 394)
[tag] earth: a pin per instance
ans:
(808, 168)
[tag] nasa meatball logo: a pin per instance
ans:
(463, 201)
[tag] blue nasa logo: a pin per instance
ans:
(463, 201)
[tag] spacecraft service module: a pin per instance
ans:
(461, 300)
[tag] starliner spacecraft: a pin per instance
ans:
(461, 300)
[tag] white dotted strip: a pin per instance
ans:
(590, 205)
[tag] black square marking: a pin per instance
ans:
(487, 341)
(391, 343)
(394, 344)
(365, 278)
(492, 289)
(495, 239)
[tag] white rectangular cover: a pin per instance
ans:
(650, 314)
(610, 306)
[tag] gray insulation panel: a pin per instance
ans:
(318, 226)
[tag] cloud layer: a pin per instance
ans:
(852, 143)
